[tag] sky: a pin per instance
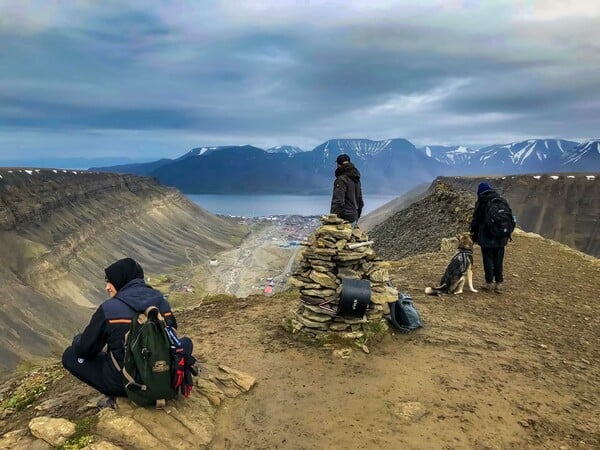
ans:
(155, 78)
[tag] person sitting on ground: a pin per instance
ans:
(128, 294)
(347, 201)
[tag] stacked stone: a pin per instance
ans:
(333, 252)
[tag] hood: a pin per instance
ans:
(487, 195)
(138, 295)
(350, 171)
(123, 271)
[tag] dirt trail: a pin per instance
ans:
(244, 270)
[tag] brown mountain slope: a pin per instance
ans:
(517, 371)
(564, 207)
(60, 228)
(387, 210)
(419, 227)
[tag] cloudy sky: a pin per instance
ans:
(148, 79)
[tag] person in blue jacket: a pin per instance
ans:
(89, 356)
(492, 248)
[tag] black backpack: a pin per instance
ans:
(404, 315)
(499, 219)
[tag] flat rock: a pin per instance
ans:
(21, 439)
(51, 430)
(324, 279)
(184, 423)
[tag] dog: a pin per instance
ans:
(459, 270)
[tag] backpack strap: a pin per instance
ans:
(130, 380)
(115, 363)
(126, 374)
(152, 312)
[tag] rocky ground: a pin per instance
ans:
(518, 370)
(488, 371)
(417, 228)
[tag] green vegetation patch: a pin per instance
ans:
(288, 326)
(30, 387)
(292, 294)
(372, 332)
(181, 300)
(160, 282)
(84, 434)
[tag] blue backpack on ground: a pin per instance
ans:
(404, 315)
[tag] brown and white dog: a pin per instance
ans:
(458, 271)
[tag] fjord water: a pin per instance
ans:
(276, 205)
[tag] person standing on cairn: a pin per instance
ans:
(347, 201)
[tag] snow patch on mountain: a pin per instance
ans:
(285, 149)
(451, 155)
(589, 151)
(205, 151)
(526, 154)
(359, 148)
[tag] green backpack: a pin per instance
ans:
(147, 365)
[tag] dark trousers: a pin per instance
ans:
(100, 373)
(493, 260)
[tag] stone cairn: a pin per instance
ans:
(333, 252)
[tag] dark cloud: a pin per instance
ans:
(55, 115)
(265, 73)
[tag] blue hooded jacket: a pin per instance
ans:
(111, 321)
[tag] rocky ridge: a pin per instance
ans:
(419, 228)
(562, 207)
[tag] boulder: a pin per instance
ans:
(53, 431)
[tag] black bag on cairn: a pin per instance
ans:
(147, 365)
(355, 297)
(404, 315)
(499, 219)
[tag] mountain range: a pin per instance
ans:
(387, 166)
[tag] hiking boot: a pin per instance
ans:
(499, 288)
(107, 402)
(488, 287)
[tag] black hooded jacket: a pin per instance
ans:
(478, 229)
(347, 200)
(112, 319)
